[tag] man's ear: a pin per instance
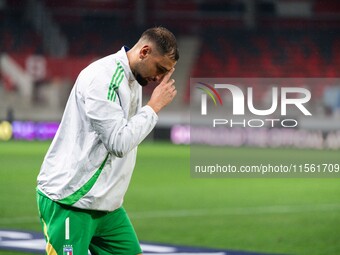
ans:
(144, 51)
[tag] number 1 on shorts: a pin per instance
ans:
(67, 228)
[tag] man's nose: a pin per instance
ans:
(158, 78)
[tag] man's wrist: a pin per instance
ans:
(154, 107)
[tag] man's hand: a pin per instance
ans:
(164, 93)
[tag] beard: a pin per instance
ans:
(141, 80)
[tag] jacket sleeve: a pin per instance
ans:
(118, 134)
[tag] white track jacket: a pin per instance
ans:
(91, 159)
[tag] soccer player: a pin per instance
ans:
(88, 167)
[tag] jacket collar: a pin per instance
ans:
(122, 56)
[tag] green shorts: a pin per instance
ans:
(72, 231)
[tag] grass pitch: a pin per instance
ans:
(165, 204)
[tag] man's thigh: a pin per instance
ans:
(115, 235)
(67, 230)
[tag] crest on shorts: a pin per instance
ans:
(68, 250)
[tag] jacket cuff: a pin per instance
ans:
(149, 110)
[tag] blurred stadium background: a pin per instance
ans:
(46, 43)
